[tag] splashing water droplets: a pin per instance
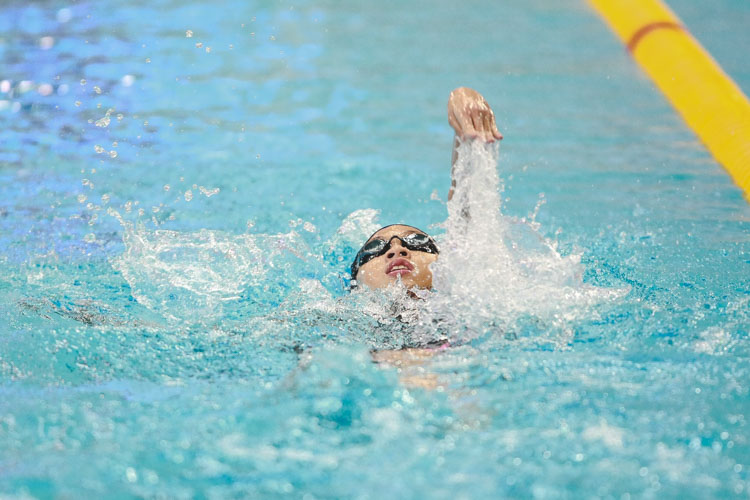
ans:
(207, 192)
(64, 15)
(495, 269)
(46, 42)
(189, 34)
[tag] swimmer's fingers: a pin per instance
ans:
(487, 127)
(484, 122)
(462, 123)
(459, 113)
(490, 125)
(477, 119)
(495, 132)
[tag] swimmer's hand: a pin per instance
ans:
(471, 117)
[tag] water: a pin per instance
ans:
(175, 320)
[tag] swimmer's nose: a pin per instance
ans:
(397, 250)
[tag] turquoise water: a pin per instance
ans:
(176, 223)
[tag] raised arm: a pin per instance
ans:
(472, 119)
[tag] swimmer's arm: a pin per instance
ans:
(471, 118)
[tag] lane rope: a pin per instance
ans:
(711, 104)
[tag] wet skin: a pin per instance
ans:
(410, 266)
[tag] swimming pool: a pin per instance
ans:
(183, 187)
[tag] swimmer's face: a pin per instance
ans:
(398, 262)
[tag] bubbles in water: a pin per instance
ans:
(24, 86)
(83, 81)
(113, 154)
(189, 34)
(188, 195)
(45, 89)
(208, 192)
(98, 149)
(97, 89)
(103, 122)
(64, 15)
(199, 45)
(46, 42)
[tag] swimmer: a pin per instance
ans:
(401, 252)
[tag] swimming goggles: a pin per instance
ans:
(418, 242)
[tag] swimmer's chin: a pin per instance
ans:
(394, 285)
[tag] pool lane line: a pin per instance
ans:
(706, 97)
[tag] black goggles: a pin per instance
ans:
(418, 242)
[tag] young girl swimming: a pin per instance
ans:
(401, 252)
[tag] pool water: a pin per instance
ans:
(184, 184)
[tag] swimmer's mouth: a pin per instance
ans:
(399, 267)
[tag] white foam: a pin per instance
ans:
(494, 268)
(190, 275)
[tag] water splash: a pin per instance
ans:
(496, 274)
(497, 270)
(191, 276)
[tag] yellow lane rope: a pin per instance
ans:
(709, 101)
